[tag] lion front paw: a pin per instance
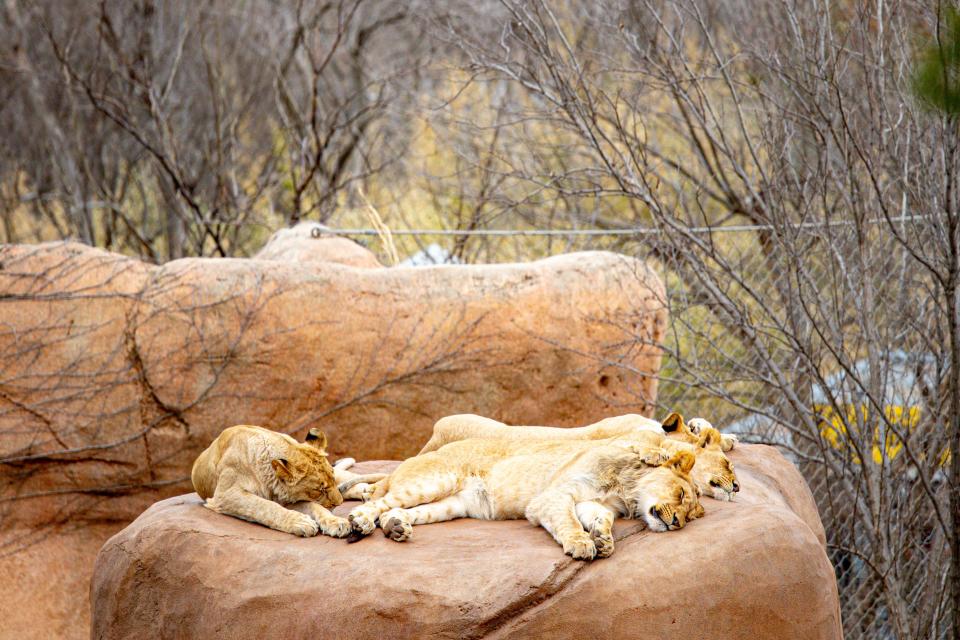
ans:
(362, 522)
(655, 458)
(580, 547)
(301, 525)
(728, 441)
(396, 529)
(603, 541)
(336, 527)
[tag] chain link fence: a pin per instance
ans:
(824, 340)
(830, 354)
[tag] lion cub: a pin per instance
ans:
(251, 472)
(573, 489)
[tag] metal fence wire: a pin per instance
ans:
(826, 341)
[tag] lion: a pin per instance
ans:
(266, 477)
(573, 489)
(713, 472)
(460, 427)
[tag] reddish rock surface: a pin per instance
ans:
(752, 569)
(115, 374)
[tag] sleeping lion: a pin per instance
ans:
(573, 489)
(266, 477)
(468, 425)
(713, 471)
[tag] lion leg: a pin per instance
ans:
(555, 511)
(360, 491)
(247, 506)
(357, 487)
(397, 524)
(331, 525)
(364, 492)
(598, 520)
(400, 495)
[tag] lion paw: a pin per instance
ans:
(696, 425)
(362, 523)
(603, 541)
(580, 547)
(336, 527)
(728, 441)
(360, 491)
(302, 525)
(396, 529)
(655, 458)
(366, 492)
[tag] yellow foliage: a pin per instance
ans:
(885, 446)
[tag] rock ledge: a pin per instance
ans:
(755, 568)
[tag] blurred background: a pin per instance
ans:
(789, 168)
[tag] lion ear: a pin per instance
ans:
(282, 468)
(317, 438)
(696, 512)
(673, 423)
(709, 438)
(682, 461)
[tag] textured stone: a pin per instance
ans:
(309, 243)
(115, 373)
(754, 568)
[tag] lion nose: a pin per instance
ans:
(676, 521)
(736, 486)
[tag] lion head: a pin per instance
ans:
(306, 474)
(664, 496)
(713, 472)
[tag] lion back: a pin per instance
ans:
(206, 469)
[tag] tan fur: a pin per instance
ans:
(254, 474)
(467, 425)
(573, 489)
(713, 471)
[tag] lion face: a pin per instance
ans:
(306, 474)
(714, 472)
(664, 497)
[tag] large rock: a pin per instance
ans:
(115, 374)
(309, 242)
(755, 568)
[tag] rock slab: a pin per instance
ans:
(755, 568)
(116, 373)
